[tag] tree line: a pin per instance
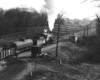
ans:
(19, 19)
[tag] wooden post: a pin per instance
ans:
(35, 64)
(60, 61)
(31, 73)
(87, 31)
(84, 32)
(83, 38)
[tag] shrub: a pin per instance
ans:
(93, 46)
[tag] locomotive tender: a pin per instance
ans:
(14, 48)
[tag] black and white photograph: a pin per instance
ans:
(49, 39)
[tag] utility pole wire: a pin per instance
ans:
(88, 0)
(83, 1)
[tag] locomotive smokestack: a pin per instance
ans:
(52, 13)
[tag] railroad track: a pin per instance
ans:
(13, 68)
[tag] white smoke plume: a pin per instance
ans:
(52, 12)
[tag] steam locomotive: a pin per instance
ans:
(14, 48)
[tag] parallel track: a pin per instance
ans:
(13, 68)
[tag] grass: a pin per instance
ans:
(76, 65)
(45, 75)
(80, 65)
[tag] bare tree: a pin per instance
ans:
(60, 19)
(88, 0)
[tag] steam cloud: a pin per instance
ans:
(52, 12)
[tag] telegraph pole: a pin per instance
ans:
(57, 39)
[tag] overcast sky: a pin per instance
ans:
(72, 8)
